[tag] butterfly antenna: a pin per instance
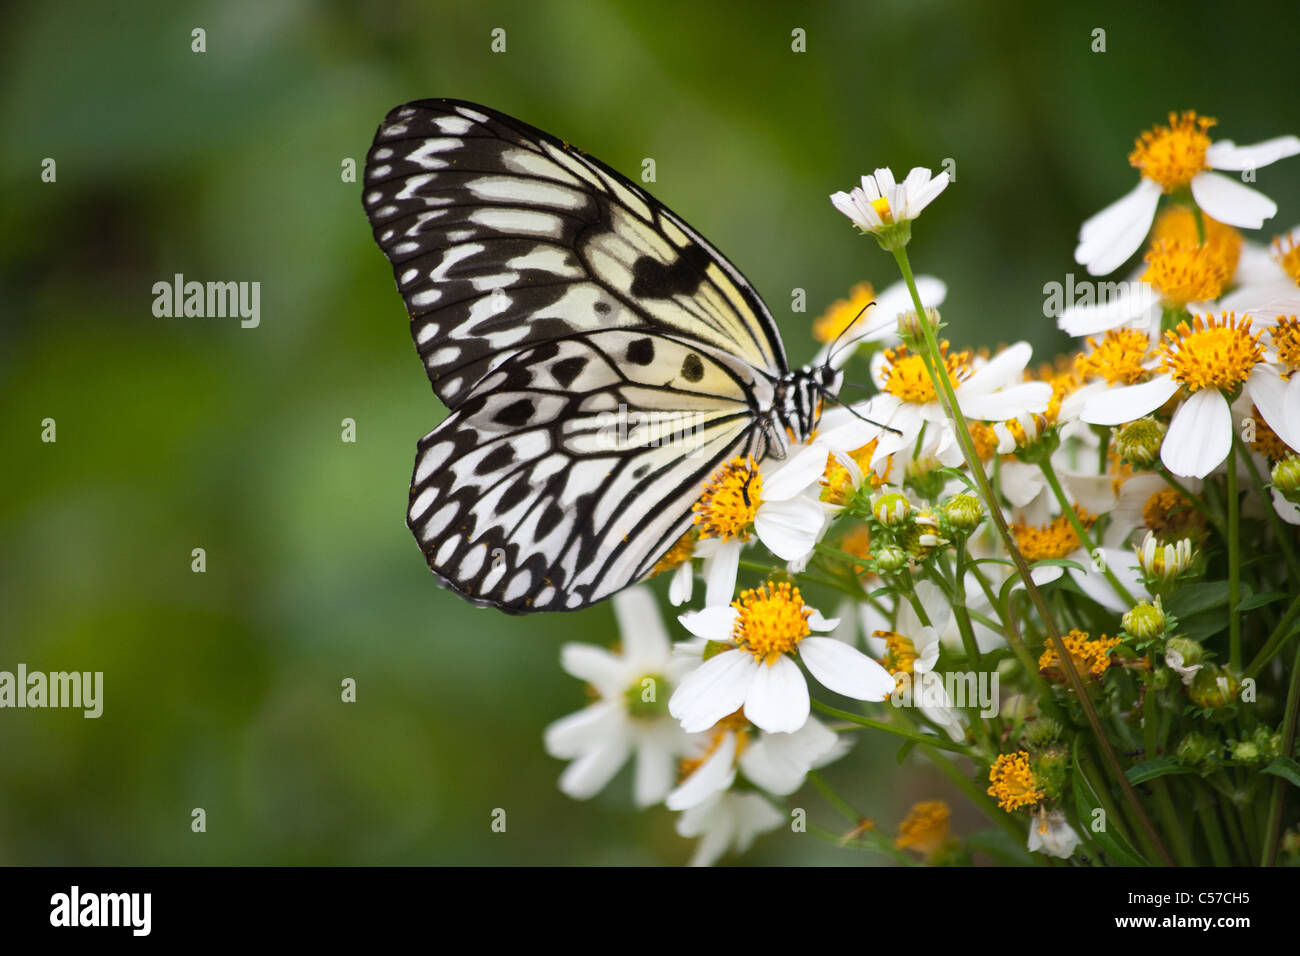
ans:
(831, 396)
(836, 341)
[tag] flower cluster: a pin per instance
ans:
(1051, 581)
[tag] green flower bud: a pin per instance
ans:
(1245, 750)
(909, 325)
(1138, 443)
(891, 509)
(924, 475)
(964, 512)
(1183, 656)
(1213, 687)
(1286, 478)
(891, 558)
(1196, 750)
(1049, 769)
(1040, 733)
(1146, 620)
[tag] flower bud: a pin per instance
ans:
(891, 558)
(1213, 687)
(1183, 657)
(925, 476)
(1145, 621)
(1162, 564)
(1286, 478)
(1196, 750)
(1245, 750)
(1138, 443)
(909, 325)
(964, 512)
(891, 509)
(1041, 732)
(1049, 768)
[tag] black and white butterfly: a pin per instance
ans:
(600, 358)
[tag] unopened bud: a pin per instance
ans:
(891, 509)
(1138, 443)
(909, 325)
(891, 558)
(1161, 564)
(1286, 478)
(1145, 621)
(1183, 657)
(964, 512)
(1213, 687)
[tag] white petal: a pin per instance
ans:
(1269, 391)
(1003, 368)
(1199, 435)
(587, 776)
(645, 639)
(1094, 583)
(598, 667)
(778, 697)
(789, 529)
(779, 762)
(711, 623)
(713, 690)
(796, 475)
(584, 729)
(1021, 482)
(845, 669)
(1115, 233)
(1115, 406)
(713, 776)
(681, 585)
(655, 769)
(1232, 202)
(1225, 154)
(1132, 301)
(1006, 403)
(720, 570)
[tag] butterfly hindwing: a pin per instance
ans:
(548, 296)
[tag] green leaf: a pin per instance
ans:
(1203, 626)
(1141, 773)
(907, 748)
(1110, 840)
(1194, 600)
(1259, 600)
(1286, 768)
(1059, 563)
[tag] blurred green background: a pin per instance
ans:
(222, 688)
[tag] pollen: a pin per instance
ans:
(1285, 338)
(1287, 254)
(1090, 656)
(1211, 353)
(906, 378)
(925, 829)
(730, 500)
(1012, 782)
(900, 652)
(1167, 512)
(837, 482)
(985, 439)
(1064, 379)
(1172, 155)
(844, 313)
(678, 554)
(1056, 539)
(773, 620)
(1186, 272)
(1117, 358)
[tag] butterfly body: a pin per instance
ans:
(599, 357)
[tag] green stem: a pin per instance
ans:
(913, 735)
(1159, 786)
(1234, 563)
(1273, 828)
(1279, 528)
(1080, 532)
(1206, 813)
(944, 388)
(1275, 640)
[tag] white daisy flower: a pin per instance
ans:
(630, 718)
(1052, 834)
(880, 202)
(1202, 362)
(1171, 158)
(987, 390)
(778, 763)
(763, 630)
(727, 821)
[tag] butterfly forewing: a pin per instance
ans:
(599, 357)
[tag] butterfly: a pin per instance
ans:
(599, 357)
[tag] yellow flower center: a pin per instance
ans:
(730, 500)
(1212, 353)
(905, 375)
(677, 555)
(1055, 539)
(773, 620)
(1285, 336)
(1064, 379)
(1177, 224)
(900, 652)
(925, 829)
(1186, 272)
(1168, 511)
(844, 313)
(881, 206)
(1172, 155)
(1090, 656)
(837, 483)
(985, 438)
(1117, 357)
(857, 544)
(1287, 254)
(1012, 782)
